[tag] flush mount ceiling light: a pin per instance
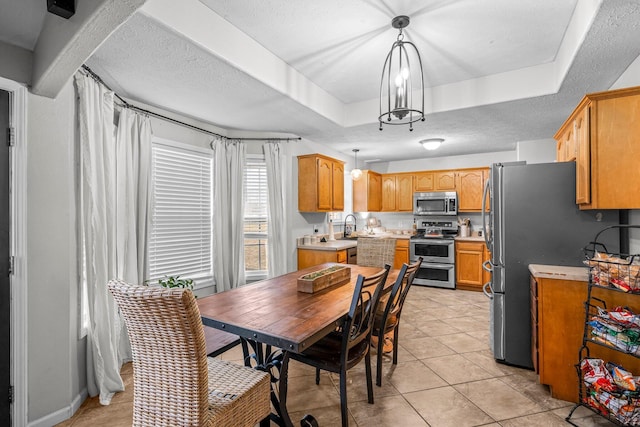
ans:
(400, 78)
(431, 143)
(355, 172)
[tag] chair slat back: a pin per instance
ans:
(401, 287)
(169, 354)
(359, 321)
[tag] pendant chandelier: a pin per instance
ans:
(400, 81)
(355, 172)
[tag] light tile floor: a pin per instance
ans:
(446, 376)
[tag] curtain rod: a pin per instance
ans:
(169, 119)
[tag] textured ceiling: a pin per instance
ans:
(21, 21)
(496, 71)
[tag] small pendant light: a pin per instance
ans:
(355, 172)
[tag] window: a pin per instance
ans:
(180, 239)
(255, 218)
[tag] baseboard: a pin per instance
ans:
(61, 414)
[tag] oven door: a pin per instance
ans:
(433, 250)
(436, 274)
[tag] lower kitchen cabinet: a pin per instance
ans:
(469, 258)
(557, 326)
(311, 257)
(402, 253)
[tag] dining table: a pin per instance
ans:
(272, 319)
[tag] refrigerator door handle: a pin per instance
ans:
(485, 194)
(488, 293)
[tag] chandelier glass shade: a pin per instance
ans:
(402, 78)
(356, 173)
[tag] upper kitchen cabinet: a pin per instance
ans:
(320, 183)
(444, 181)
(470, 186)
(605, 130)
(367, 192)
(397, 192)
(423, 181)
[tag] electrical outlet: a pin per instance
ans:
(315, 229)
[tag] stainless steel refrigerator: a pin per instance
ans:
(533, 219)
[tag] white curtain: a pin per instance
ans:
(275, 156)
(114, 210)
(228, 213)
(133, 165)
(98, 148)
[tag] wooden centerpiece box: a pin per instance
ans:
(324, 278)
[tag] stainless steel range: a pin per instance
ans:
(434, 243)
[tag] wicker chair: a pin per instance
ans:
(388, 314)
(175, 383)
(373, 252)
(345, 348)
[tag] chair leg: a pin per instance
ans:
(379, 365)
(343, 397)
(396, 331)
(379, 352)
(317, 376)
(367, 361)
(265, 422)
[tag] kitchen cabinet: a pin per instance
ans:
(311, 257)
(605, 126)
(557, 326)
(367, 192)
(423, 181)
(444, 180)
(470, 186)
(402, 253)
(566, 146)
(469, 258)
(397, 192)
(320, 183)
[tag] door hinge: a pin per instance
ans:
(11, 137)
(10, 394)
(11, 265)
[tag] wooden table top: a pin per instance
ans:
(273, 312)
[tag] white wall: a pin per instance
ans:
(56, 368)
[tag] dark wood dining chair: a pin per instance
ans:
(174, 382)
(388, 314)
(344, 348)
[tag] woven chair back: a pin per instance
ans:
(374, 252)
(169, 354)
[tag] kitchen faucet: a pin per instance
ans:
(355, 222)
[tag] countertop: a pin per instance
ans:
(338, 245)
(580, 274)
(470, 239)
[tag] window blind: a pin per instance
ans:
(180, 240)
(255, 218)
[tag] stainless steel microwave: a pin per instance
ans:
(435, 203)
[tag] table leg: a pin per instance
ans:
(276, 363)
